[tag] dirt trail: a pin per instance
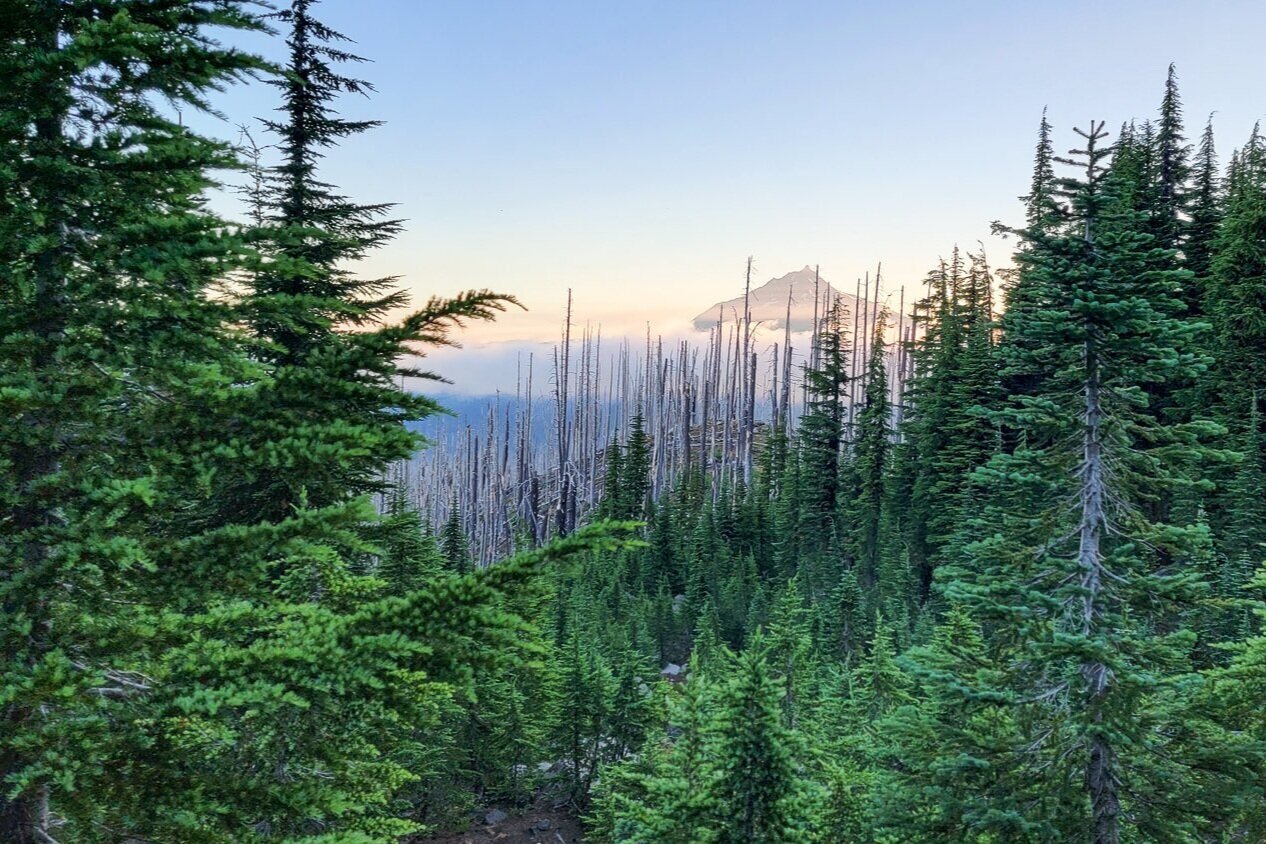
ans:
(541, 824)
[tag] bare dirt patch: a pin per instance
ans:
(540, 824)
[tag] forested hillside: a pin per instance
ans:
(990, 571)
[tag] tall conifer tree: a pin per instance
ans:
(106, 343)
(822, 434)
(1173, 171)
(333, 416)
(1071, 582)
(870, 461)
(1206, 210)
(1236, 303)
(757, 781)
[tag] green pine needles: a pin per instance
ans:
(999, 580)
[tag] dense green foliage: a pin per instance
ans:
(1023, 609)
(210, 634)
(1017, 600)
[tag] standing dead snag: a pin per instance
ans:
(524, 477)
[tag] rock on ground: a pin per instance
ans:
(540, 824)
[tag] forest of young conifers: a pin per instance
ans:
(1025, 608)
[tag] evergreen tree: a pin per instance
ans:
(1042, 213)
(665, 794)
(636, 480)
(612, 503)
(1173, 173)
(709, 650)
(1081, 622)
(454, 544)
(953, 760)
(790, 653)
(1233, 697)
(587, 687)
(916, 479)
(662, 556)
(1206, 211)
(108, 344)
(955, 384)
(407, 555)
(1235, 296)
(870, 462)
(633, 707)
(1236, 291)
(877, 685)
(334, 411)
(843, 625)
(822, 434)
(757, 783)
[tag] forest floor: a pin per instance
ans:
(539, 824)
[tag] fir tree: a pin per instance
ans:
(333, 414)
(955, 385)
(665, 794)
(878, 684)
(635, 482)
(870, 462)
(1070, 579)
(407, 553)
(662, 555)
(1173, 172)
(822, 434)
(790, 653)
(953, 760)
(1206, 210)
(109, 345)
(1235, 296)
(756, 783)
(1042, 212)
(454, 544)
(587, 688)
(916, 479)
(1236, 291)
(1234, 696)
(843, 625)
(612, 503)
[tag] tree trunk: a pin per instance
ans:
(24, 818)
(1101, 782)
(1101, 779)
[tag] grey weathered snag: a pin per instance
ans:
(533, 469)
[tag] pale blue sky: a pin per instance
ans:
(638, 152)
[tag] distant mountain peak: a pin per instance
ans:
(768, 303)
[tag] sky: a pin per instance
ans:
(638, 152)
